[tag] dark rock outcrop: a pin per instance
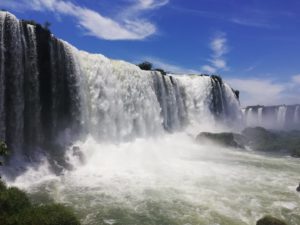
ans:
(268, 220)
(225, 139)
(258, 139)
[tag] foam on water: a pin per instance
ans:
(173, 180)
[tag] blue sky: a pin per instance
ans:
(253, 44)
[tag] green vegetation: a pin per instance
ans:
(3, 152)
(268, 220)
(145, 65)
(16, 208)
(161, 71)
(149, 67)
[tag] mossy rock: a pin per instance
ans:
(269, 220)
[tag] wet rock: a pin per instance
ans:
(77, 152)
(225, 139)
(268, 220)
(298, 188)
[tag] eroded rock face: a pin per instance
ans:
(258, 139)
(268, 220)
(225, 139)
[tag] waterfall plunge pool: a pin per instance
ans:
(170, 180)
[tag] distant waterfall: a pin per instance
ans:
(297, 114)
(273, 117)
(52, 94)
(281, 116)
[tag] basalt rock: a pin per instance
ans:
(268, 220)
(225, 139)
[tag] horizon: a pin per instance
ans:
(235, 41)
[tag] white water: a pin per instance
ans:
(260, 119)
(132, 171)
(170, 180)
(281, 116)
(297, 114)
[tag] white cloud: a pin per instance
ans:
(219, 48)
(296, 79)
(209, 69)
(265, 91)
(219, 45)
(130, 26)
(251, 23)
(151, 4)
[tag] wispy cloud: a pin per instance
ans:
(252, 22)
(296, 79)
(250, 68)
(130, 26)
(266, 91)
(219, 48)
(248, 16)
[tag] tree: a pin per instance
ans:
(145, 65)
(161, 71)
(3, 151)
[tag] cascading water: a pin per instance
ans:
(280, 117)
(259, 113)
(297, 114)
(52, 94)
(126, 133)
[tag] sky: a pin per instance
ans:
(253, 44)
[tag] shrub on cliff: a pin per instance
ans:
(145, 65)
(161, 71)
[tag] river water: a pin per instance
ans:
(169, 180)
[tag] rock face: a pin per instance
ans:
(225, 139)
(52, 94)
(258, 139)
(268, 220)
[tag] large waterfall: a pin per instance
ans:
(125, 139)
(282, 117)
(51, 94)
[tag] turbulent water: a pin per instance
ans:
(126, 137)
(170, 180)
(283, 117)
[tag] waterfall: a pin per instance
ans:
(281, 116)
(52, 94)
(259, 113)
(297, 114)
(2, 87)
(273, 117)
